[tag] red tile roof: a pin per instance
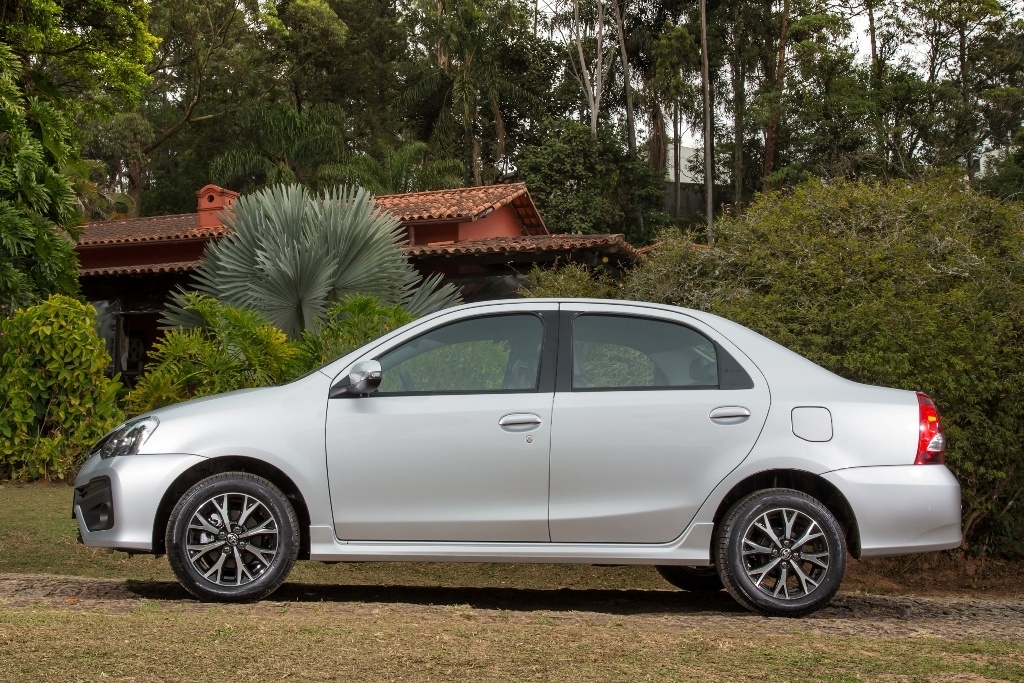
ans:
(150, 268)
(150, 229)
(610, 244)
(463, 205)
(527, 243)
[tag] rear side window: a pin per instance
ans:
(621, 352)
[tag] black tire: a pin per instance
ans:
(777, 576)
(266, 543)
(693, 579)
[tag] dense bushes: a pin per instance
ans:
(235, 348)
(919, 286)
(55, 401)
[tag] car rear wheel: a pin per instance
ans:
(781, 553)
(694, 579)
(232, 537)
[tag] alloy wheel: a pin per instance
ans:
(232, 538)
(785, 554)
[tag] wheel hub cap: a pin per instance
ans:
(231, 539)
(785, 554)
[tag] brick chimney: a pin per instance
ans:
(213, 200)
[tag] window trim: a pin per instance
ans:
(724, 359)
(545, 373)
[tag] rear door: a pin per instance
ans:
(651, 412)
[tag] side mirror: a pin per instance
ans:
(362, 378)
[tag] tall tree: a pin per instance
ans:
(37, 204)
(79, 54)
(771, 136)
(284, 145)
(467, 40)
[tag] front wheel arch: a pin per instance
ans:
(798, 480)
(192, 476)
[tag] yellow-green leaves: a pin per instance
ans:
(55, 400)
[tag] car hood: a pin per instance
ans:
(240, 420)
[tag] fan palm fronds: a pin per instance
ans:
(294, 253)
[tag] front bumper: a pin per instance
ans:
(116, 499)
(902, 509)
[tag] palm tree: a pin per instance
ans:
(293, 253)
(467, 36)
(285, 146)
(403, 169)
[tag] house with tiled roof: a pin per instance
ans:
(477, 237)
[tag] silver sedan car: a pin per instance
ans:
(582, 431)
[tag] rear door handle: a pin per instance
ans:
(520, 422)
(729, 415)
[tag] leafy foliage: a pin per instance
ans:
(36, 199)
(233, 348)
(587, 185)
(570, 280)
(293, 253)
(347, 325)
(918, 286)
(407, 168)
(1006, 179)
(82, 53)
(284, 145)
(55, 400)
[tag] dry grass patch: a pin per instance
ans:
(273, 641)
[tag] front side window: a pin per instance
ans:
(491, 354)
(621, 352)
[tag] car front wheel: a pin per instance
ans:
(232, 537)
(781, 552)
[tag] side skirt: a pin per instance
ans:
(692, 548)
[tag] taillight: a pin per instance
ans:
(931, 445)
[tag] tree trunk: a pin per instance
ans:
(965, 95)
(477, 161)
(739, 89)
(627, 86)
(135, 188)
(771, 137)
(676, 153)
(592, 88)
(876, 84)
(876, 66)
(705, 72)
(657, 144)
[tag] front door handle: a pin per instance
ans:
(729, 415)
(520, 422)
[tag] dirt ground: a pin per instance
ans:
(992, 613)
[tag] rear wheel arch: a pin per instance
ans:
(192, 476)
(799, 480)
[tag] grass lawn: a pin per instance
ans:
(474, 622)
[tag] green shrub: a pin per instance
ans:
(348, 324)
(234, 348)
(55, 401)
(911, 285)
(584, 184)
(572, 280)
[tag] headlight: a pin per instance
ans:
(126, 439)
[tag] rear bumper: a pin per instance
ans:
(116, 500)
(902, 509)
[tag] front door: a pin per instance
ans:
(454, 444)
(645, 425)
